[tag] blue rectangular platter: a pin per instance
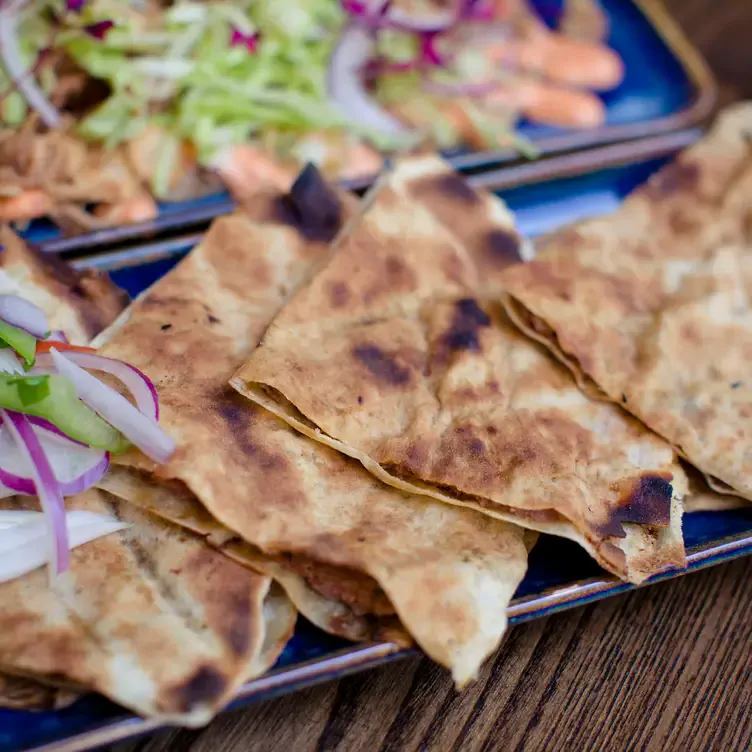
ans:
(667, 88)
(561, 575)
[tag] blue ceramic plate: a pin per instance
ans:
(561, 575)
(667, 88)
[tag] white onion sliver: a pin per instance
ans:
(13, 517)
(137, 383)
(47, 489)
(139, 429)
(68, 460)
(25, 533)
(6, 492)
(9, 363)
(57, 336)
(13, 64)
(23, 314)
(22, 549)
(76, 467)
(353, 49)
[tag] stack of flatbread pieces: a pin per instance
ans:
(359, 558)
(372, 430)
(158, 620)
(398, 353)
(650, 307)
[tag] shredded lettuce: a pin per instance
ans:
(176, 67)
(33, 37)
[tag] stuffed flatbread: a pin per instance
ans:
(650, 307)
(156, 620)
(335, 536)
(393, 355)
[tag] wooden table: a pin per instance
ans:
(665, 668)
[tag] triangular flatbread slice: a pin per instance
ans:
(449, 574)
(156, 620)
(393, 356)
(79, 303)
(650, 307)
(357, 611)
(23, 693)
(148, 596)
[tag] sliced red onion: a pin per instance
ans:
(428, 57)
(76, 467)
(383, 13)
(22, 79)
(9, 362)
(52, 429)
(373, 13)
(477, 10)
(428, 52)
(57, 336)
(249, 41)
(137, 383)
(141, 430)
(355, 7)
(46, 487)
(21, 544)
(23, 314)
(351, 53)
(99, 30)
(379, 66)
(75, 6)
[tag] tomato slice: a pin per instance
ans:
(44, 347)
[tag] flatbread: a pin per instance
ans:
(27, 693)
(79, 303)
(155, 619)
(650, 307)
(447, 573)
(279, 619)
(209, 659)
(391, 356)
(176, 503)
(22, 693)
(305, 237)
(478, 220)
(702, 498)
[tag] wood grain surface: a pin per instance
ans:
(668, 667)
